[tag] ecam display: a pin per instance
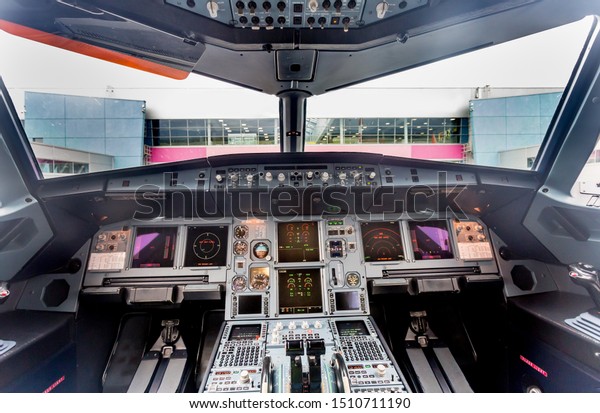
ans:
(300, 291)
(298, 242)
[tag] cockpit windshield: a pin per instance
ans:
(490, 107)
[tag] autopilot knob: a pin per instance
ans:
(381, 369)
(325, 176)
(268, 176)
(281, 177)
(343, 176)
(588, 277)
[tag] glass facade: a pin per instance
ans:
(507, 132)
(206, 132)
(52, 166)
(103, 126)
(386, 130)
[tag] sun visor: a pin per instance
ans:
(118, 41)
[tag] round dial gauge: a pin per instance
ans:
(259, 280)
(207, 245)
(260, 250)
(352, 279)
(240, 231)
(240, 247)
(238, 283)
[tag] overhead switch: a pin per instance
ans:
(381, 9)
(213, 9)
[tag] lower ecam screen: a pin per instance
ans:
(300, 291)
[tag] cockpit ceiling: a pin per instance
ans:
(274, 46)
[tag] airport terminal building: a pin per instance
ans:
(75, 134)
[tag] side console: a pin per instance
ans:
(312, 355)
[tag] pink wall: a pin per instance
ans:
(162, 154)
(450, 152)
(439, 151)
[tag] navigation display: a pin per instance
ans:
(298, 242)
(300, 291)
(352, 328)
(245, 332)
(154, 247)
(382, 241)
(206, 246)
(430, 240)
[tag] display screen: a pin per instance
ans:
(347, 300)
(154, 247)
(382, 241)
(430, 240)
(300, 291)
(250, 304)
(245, 332)
(298, 242)
(206, 246)
(352, 328)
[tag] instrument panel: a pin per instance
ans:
(285, 268)
(283, 240)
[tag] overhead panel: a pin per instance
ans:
(308, 14)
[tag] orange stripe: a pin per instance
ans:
(90, 50)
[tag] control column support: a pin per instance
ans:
(292, 120)
(162, 367)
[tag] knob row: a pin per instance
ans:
(292, 325)
(281, 20)
(281, 177)
(313, 6)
